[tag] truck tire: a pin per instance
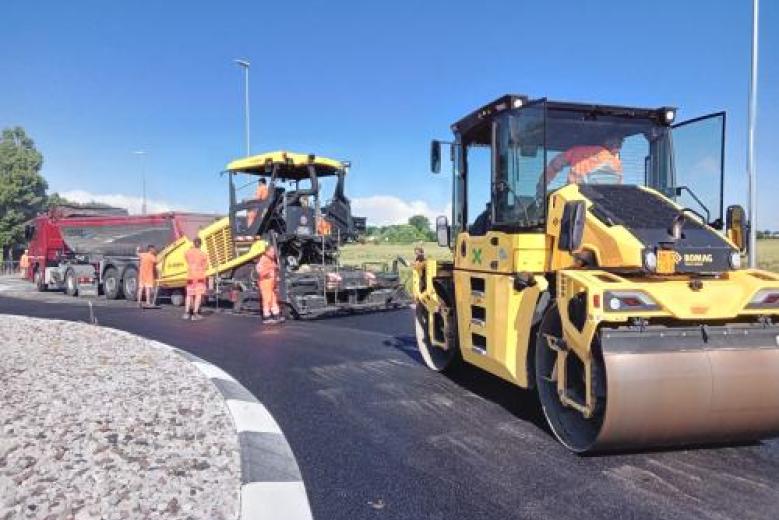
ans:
(112, 284)
(38, 278)
(71, 284)
(177, 297)
(130, 284)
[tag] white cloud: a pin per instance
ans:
(129, 202)
(382, 210)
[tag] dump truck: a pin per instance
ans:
(87, 250)
(593, 262)
(306, 230)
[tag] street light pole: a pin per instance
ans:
(244, 64)
(751, 170)
(142, 154)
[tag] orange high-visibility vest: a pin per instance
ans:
(267, 267)
(197, 262)
(586, 159)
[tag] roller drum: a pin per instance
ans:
(678, 386)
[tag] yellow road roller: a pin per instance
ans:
(593, 261)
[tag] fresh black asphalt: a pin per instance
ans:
(377, 435)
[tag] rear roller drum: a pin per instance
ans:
(569, 425)
(440, 352)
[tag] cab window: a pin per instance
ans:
(520, 157)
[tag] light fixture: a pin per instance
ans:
(650, 261)
(735, 260)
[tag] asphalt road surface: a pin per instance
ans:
(377, 435)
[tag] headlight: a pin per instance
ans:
(626, 301)
(765, 299)
(735, 260)
(650, 261)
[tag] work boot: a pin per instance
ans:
(197, 317)
(185, 316)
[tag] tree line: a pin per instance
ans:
(416, 230)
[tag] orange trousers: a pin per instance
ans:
(270, 300)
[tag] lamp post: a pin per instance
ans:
(244, 64)
(142, 154)
(751, 170)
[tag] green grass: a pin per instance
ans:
(768, 255)
(358, 254)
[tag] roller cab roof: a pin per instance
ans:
(476, 127)
(291, 165)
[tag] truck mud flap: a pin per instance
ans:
(691, 385)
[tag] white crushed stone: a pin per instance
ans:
(99, 424)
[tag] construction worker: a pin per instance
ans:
(197, 262)
(419, 256)
(146, 274)
(261, 194)
(584, 160)
(24, 263)
(268, 271)
(323, 226)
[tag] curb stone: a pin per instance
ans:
(271, 485)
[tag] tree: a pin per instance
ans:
(422, 224)
(55, 199)
(22, 188)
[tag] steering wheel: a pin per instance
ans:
(504, 186)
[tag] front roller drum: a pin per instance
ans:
(674, 386)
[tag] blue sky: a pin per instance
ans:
(367, 81)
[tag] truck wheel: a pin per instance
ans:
(38, 279)
(130, 284)
(177, 298)
(71, 286)
(111, 284)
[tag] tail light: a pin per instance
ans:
(627, 301)
(765, 299)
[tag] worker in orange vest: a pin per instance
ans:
(24, 263)
(261, 194)
(197, 263)
(323, 226)
(268, 271)
(585, 159)
(146, 274)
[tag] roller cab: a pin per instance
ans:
(593, 260)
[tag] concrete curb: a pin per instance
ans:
(271, 484)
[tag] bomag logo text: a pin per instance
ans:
(698, 258)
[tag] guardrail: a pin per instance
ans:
(9, 267)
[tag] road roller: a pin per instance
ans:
(593, 261)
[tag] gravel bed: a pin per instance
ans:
(100, 424)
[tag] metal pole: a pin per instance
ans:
(245, 65)
(751, 170)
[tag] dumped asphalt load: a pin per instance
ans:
(97, 423)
